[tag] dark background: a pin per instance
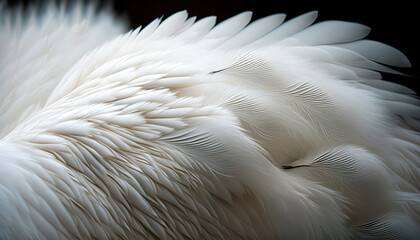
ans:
(393, 22)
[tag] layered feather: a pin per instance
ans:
(184, 129)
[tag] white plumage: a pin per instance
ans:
(185, 129)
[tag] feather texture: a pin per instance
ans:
(192, 130)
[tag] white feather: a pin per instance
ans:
(379, 52)
(330, 32)
(254, 31)
(230, 27)
(290, 27)
(187, 129)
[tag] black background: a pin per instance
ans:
(393, 22)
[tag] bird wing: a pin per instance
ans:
(231, 128)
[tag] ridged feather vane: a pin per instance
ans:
(188, 129)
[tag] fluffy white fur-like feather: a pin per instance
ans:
(266, 130)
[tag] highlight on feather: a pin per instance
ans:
(265, 129)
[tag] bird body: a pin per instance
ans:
(188, 129)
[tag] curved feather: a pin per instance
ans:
(230, 26)
(200, 28)
(254, 31)
(330, 32)
(171, 25)
(290, 27)
(379, 52)
(189, 130)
